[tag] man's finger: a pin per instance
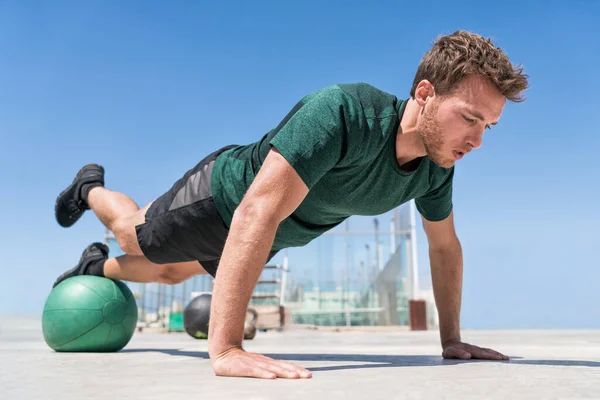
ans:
(256, 371)
(304, 373)
(281, 368)
(453, 352)
(502, 356)
(483, 353)
(246, 369)
(278, 369)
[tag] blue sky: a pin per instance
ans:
(147, 88)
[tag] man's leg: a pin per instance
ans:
(120, 214)
(95, 261)
(110, 206)
(140, 269)
(115, 210)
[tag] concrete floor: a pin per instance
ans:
(345, 365)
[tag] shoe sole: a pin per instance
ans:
(81, 172)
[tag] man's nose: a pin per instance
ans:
(475, 141)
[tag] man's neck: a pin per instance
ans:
(409, 145)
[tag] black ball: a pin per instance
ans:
(196, 316)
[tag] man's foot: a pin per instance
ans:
(91, 263)
(72, 202)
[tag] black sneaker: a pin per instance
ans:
(72, 202)
(93, 254)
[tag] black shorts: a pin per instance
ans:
(184, 224)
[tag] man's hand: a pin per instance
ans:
(274, 194)
(239, 363)
(445, 255)
(465, 351)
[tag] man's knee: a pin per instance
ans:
(172, 274)
(169, 274)
(126, 236)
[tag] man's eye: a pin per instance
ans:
(469, 120)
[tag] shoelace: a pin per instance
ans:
(76, 208)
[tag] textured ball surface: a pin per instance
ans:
(197, 315)
(89, 314)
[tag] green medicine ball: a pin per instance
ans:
(89, 314)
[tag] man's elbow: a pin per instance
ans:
(252, 212)
(450, 244)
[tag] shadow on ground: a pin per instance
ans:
(377, 361)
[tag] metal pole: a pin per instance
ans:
(362, 281)
(143, 313)
(369, 273)
(392, 237)
(377, 247)
(347, 302)
(369, 263)
(320, 284)
(413, 242)
(158, 301)
(172, 298)
(284, 278)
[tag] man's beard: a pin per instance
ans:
(431, 136)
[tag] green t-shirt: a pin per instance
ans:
(341, 142)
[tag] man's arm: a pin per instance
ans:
(445, 254)
(275, 193)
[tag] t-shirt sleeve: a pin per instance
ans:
(311, 139)
(436, 204)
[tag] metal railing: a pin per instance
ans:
(353, 297)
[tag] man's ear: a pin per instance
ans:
(424, 91)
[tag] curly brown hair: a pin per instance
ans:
(454, 57)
